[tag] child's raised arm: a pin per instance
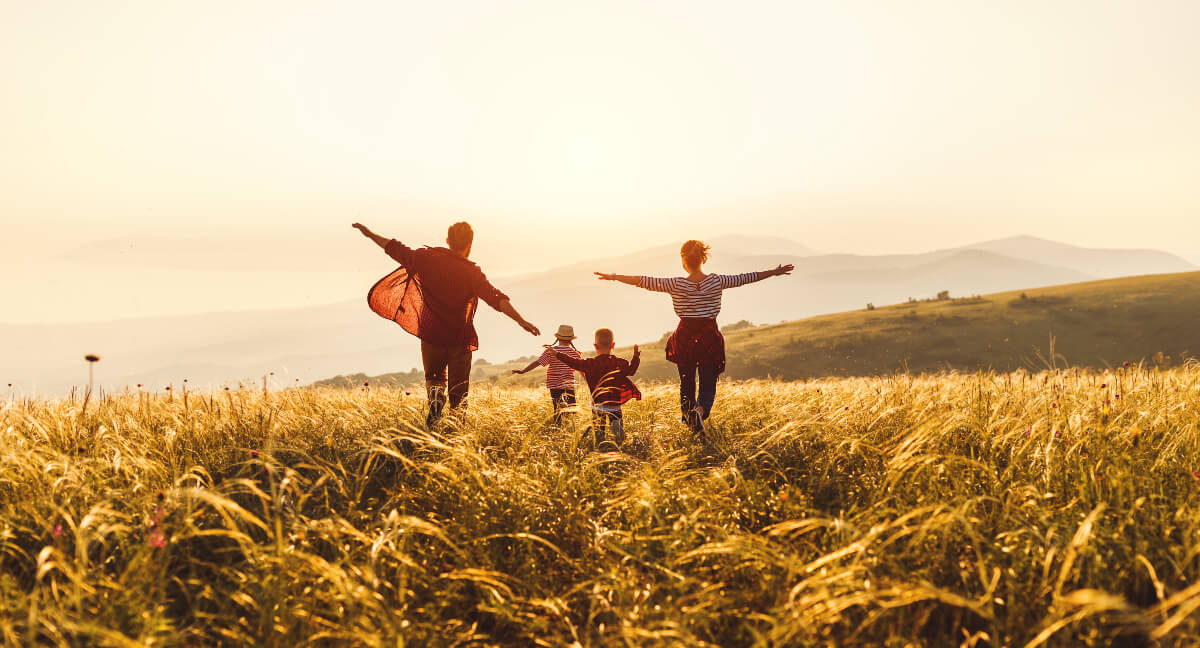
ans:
(528, 367)
(636, 362)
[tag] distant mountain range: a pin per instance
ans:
(303, 345)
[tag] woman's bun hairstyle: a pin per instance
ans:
(695, 252)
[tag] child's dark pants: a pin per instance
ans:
(562, 399)
(603, 419)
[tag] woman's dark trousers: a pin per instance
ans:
(688, 396)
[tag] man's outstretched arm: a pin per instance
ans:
(366, 231)
(506, 307)
(395, 249)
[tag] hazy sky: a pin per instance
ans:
(862, 127)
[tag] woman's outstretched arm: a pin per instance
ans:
(733, 281)
(777, 271)
(625, 279)
(653, 284)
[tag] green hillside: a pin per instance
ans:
(1154, 318)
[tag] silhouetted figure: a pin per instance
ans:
(433, 295)
(696, 347)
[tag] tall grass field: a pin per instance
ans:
(1059, 508)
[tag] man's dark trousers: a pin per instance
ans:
(447, 370)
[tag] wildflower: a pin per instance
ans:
(139, 385)
(1054, 404)
(91, 357)
(1125, 364)
(847, 408)
(168, 388)
(1104, 386)
(1117, 396)
(254, 454)
(1196, 475)
(783, 496)
(157, 539)
(366, 384)
(58, 530)
(1028, 431)
(406, 393)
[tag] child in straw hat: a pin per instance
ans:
(560, 379)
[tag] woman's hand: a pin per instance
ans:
(608, 276)
(366, 231)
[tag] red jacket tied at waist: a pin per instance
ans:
(697, 342)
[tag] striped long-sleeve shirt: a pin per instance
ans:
(558, 375)
(697, 299)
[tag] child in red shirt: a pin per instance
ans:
(608, 379)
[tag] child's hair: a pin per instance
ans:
(695, 252)
(604, 337)
(558, 339)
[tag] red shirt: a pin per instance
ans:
(607, 376)
(433, 295)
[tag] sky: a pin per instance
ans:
(167, 157)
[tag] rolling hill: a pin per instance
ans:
(1097, 323)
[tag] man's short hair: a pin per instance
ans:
(459, 236)
(604, 337)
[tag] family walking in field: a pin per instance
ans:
(436, 290)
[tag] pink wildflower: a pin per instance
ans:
(157, 539)
(58, 530)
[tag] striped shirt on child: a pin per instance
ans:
(697, 299)
(558, 375)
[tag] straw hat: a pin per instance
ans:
(565, 332)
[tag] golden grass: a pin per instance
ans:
(974, 510)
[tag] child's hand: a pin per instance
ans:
(517, 371)
(636, 350)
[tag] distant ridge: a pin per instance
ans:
(1097, 262)
(1148, 319)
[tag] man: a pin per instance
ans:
(434, 297)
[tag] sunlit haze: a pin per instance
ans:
(164, 157)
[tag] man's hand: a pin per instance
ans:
(607, 276)
(531, 328)
(366, 231)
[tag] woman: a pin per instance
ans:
(696, 347)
